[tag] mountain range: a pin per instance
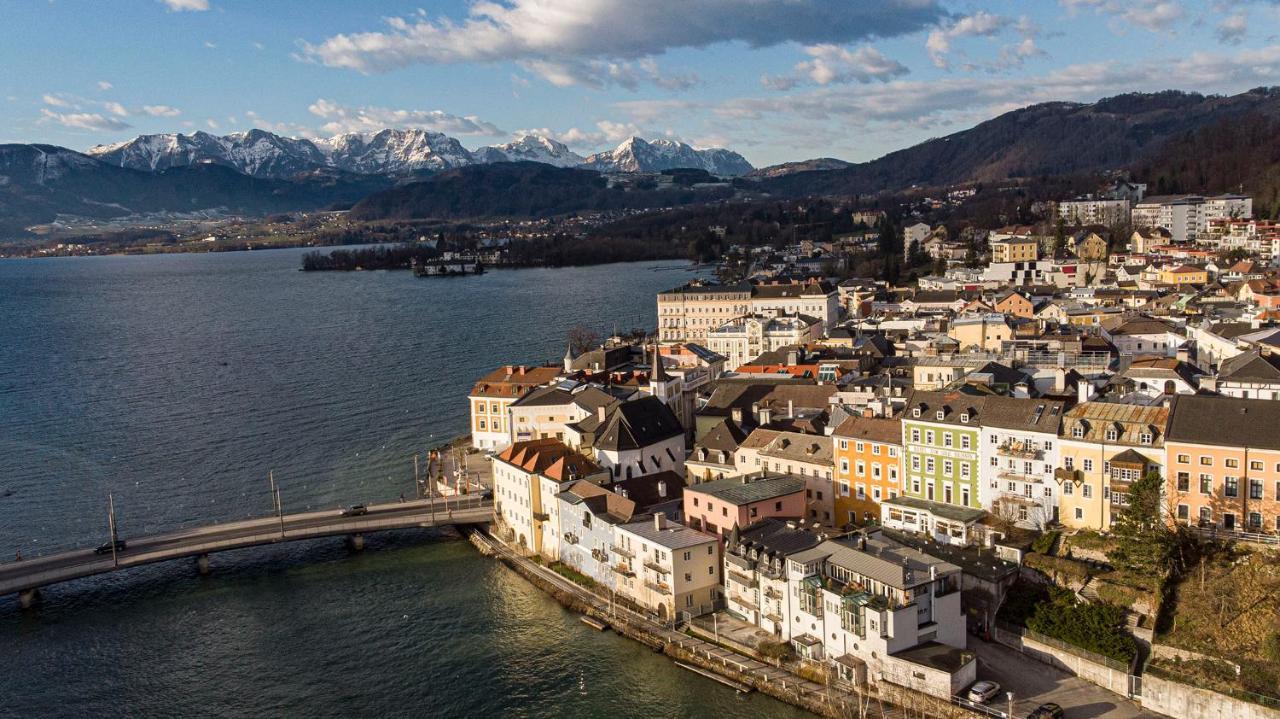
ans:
(263, 154)
(1174, 141)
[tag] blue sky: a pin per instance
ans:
(775, 80)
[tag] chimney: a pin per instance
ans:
(791, 409)
(601, 412)
(862, 542)
(659, 521)
(1059, 380)
(1085, 391)
(793, 357)
(735, 414)
(522, 369)
(1184, 354)
(510, 369)
(933, 571)
(662, 489)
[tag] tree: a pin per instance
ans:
(1059, 237)
(582, 339)
(1144, 542)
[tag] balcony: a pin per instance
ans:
(623, 551)
(656, 568)
(600, 555)
(1020, 450)
(541, 516)
(743, 579)
(1009, 474)
(771, 593)
(1063, 474)
(743, 600)
(660, 587)
(623, 569)
(571, 538)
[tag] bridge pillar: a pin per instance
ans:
(28, 598)
(202, 565)
(355, 542)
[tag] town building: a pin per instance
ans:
(1104, 448)
(1091, 211)
(1015, 249)
(743, 339)
(1249, 375)
(724, 505)
(588, 513)
(1019, 452)
(805, 455)
(492, 396)
(527, 478)
(1143, 335)
(688, 313)
(1224, 463)
(940, 434)
(637, 438)
(666, 568)
(868, 462)
(755, 572)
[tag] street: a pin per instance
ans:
(1034, 683)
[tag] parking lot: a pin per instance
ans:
(1034, 683)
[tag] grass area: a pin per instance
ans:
(1088, 539)
(1228, 605)
(1060, 569)
(573, 575)
(1044, 543)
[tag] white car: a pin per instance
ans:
(982, 692)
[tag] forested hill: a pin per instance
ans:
(1050, 139)
(518, 189)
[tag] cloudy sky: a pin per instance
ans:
(776, 80)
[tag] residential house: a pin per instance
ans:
(726, 504)
(492, 396)
(588, 513)
(1250, 375)
(1019, 452)
(1105, 447)
(1143, 335)
(1224, 463)
(805, 455)
(527, 478)
(755, 572)
(984, 332)
(744, 338)
(940, 436)
(666, 568)
(868, 461)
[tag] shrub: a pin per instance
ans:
(774, 650)
(1094, 626)
(1044, 543)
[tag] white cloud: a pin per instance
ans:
(1153, 15)
(212, 123)
(115, 108)
(186, 5)
(104, 85)
(556, 39)
(979, 24)
(211, 44)
(343, 118)
(82, 120)
(56, 101)
(161, 111)
(1232, 29)
(600, 73)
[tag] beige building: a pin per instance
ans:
(666, 567)
(527, 476)
(687, 314)
(809, 456)
(745, 338)
(1105, 448)
(1015, 249)
(491, 398)
(987, 331)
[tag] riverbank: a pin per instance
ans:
(772, 680)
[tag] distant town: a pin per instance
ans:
(1056, 448)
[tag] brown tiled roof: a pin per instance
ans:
(550, 458)
(1128, 420)
(513, 381)
(874, 429)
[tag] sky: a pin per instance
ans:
(775, 80)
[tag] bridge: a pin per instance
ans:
(27, 576)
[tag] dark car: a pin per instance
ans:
(355, 510)
(1046, 711)
(107, 547)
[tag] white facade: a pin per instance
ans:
(746, 338)
(1016, 472)
(1094, 212)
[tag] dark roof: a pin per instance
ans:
(974, 561)
(774, 537)
(1027, 415)
(639, 423)
(937, 656)
(1225, 421)
(648, 490)
(952, 404)
(747, 489)
(1251, 366)
(875, 429)
(724, 435)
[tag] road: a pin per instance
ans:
(39, 571)
(1034, 683)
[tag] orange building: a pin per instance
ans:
(1224, 463)
(868, 459)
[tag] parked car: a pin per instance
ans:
(982, 692)
(106, 548)
(355, 510)
(1046, 711)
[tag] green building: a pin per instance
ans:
(940, 432)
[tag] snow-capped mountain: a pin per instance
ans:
(392, 152)
(637, 155)
(263, 154)
(530, 148)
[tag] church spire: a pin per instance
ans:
(658, 374)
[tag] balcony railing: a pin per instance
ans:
(743, 579)
(541, 516)
(623, 569)
(658, 568)
(743, 599)
(1020, 450)
(623, 551)
(662, 587)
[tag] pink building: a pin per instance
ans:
(717, 507)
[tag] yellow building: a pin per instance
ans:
(1089, 247)
(868, 458)
(490, 402)
(1105, 447)
(984, 331)
(1184, 275)
(1015, 249)
(687, 314)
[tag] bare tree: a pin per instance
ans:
(582, 339)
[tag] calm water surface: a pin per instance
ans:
(176, 383)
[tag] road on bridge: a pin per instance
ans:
(40, 571)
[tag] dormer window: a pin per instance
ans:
(915, 412)
(1112, 435)
(1145, 438)
(941, 414)
(1077, 431)
(964, 418)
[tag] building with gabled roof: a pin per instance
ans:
(492, 396)
(1104, 448)
(527, 477)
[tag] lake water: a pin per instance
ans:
(175, 383)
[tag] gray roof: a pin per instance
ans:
(882, 559)
(672, 536)
(774, 537)
(639, 423)
(745, 490)
(940, 509)
(1251, 366)
(1027, 415)
(1225, 421)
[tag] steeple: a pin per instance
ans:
(659, 374)
(568, 358)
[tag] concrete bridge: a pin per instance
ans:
(27, 576)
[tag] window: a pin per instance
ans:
(844, 444)
(929, 465)
(1077, 432)
(1068, 488)
(1112, 435)
(1184, 459)
(1088, 465)
(1232, 463)
(1206, 461)
(844, 466)
(947, 467)
(928, 436)
(1206, 484)
(1255, 520)
(1086, 491)
(1079, 513)
(915, 435)
(1183, 512)
(1255, 466)
(1255, 489)
(915, 463)
(860, 447)
(1069, 462)
(964, 470)
(964, 441)
(1231, 487)
(1145, 438)
(875, 449)
(946, 439)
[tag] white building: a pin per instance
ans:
(527, 477)
(1091, 211)
(919, 232)
(867, 603)
(755, 572)
(743, 339)
(667, 568)
(1144, 335)
(1018, 452)
(1187, 217)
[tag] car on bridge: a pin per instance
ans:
(355, 510)
(107, 548)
